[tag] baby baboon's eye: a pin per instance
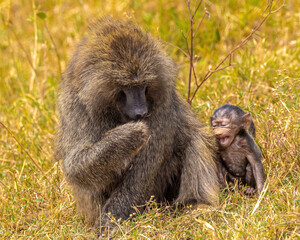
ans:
(223, 124)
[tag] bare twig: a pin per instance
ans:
(191, 95)
(55, 48)
(11, 28)
(195, 75)
(191, 47)
(199, 24)
(197, 8)
(180, 49)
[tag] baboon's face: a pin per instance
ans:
(124, 73)
(132, 102)
(225, 127)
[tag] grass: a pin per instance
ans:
(36, 42)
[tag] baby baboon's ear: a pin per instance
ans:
(246, 121)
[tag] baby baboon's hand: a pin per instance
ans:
(250, 191)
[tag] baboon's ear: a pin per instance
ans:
(246, 121)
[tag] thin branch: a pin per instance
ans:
(195, 75)
(189, 8)
(22, 47)
(191, 45)
(190, 50)
(197, 8)
(55, 48)
(276, 10)
(187, 44)
(240, 45)
(220, 69)
(180, 49)
(199, 24)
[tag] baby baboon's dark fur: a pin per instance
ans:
(240, 157)
(113, 162)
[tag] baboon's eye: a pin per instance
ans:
(122, 96)
(223, 124)
(214, 125)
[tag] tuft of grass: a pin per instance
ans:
(36, 42)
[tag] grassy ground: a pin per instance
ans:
(36, 41)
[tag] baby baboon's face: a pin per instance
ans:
(226, 124)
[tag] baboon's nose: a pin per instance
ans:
(140, 113)
(218, 132)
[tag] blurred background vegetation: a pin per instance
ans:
(36, 42)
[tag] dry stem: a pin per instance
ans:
(191, 34)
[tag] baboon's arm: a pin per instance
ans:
(147, 177)
(137, 187)
(200, 182)
(95, 164)
(254, 158)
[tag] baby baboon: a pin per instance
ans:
(125, 134)
(240, 156)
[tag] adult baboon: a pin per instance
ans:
(125, 134)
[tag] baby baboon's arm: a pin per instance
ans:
(257, 169)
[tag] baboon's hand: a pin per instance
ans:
(114, 151)
(250, 191)
(129, 137)
(137, 131)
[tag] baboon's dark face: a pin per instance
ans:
(132, 102)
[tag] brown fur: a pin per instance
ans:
(114, 165)
(240, 157)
